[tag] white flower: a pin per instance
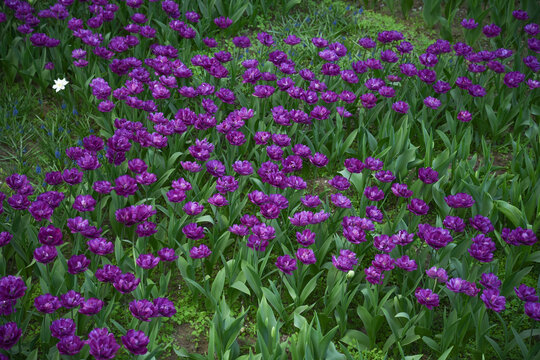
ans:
(60, 84)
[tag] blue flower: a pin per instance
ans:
(38, 169)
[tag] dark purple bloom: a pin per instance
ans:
(374, 213)
(532, 310)
(125, 186)
(493, 300)
(454, 223)
(265, 39)
(460, 200)
(469, 24)
(481, 223)
(286, 264)
(400, 107)
(62, 327)
(164, 307)
(136, 342)
(70, 345)
(401, 190)
(47, 303)
(532, 29)
(490, 281)
(373, 193)
(427, 298)
(345, 261)
(384, 243)
(513, 79)
(12, 288)
(142, 309)
(125, 283)
(340, 200)
(383, 262)
(91, 306)
(437, 273)
(418, 207)
(147, 261)
(435, 237)
(374, 275)
(306, 237)
(218, 200)
(306, 256)
(45, 254)
(72, 176)
(78, 264)
(102, 344)
(406, 263)
(108, 273)
(340, 183)
(525, 293)
(464, 116)
(482, 248)
(200, 252)
(71, 299)
(403, 238)
(5, 238)
(319, 160)
(491, 30)
(9, 335)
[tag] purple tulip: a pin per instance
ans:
(164, 307)
(47, 303)
(147, 261)
(435, 237)
(490, 281)
(306, 256)
(493, 300)
(102, 344)
(91, 306)
(70, 345)
(427, 298)
(345, 261)
(136, 342)
(460, 200)
(532, 310)
(286, 264)
(126, 283)
(71, 299)
(525, 293)
(406, 263)
(200, 252)
(78, 264)
(62, 327)
(9, 335)
(12, 288)
(437, 273)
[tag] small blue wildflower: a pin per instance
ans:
(60, 129)
(38, 169)
(49, 133)
(15, 111)
(57, 154)
(64, 106)
(75, 112)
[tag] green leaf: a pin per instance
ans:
(238, 285)
(511, 212)
(445, 354)
(217, 285)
